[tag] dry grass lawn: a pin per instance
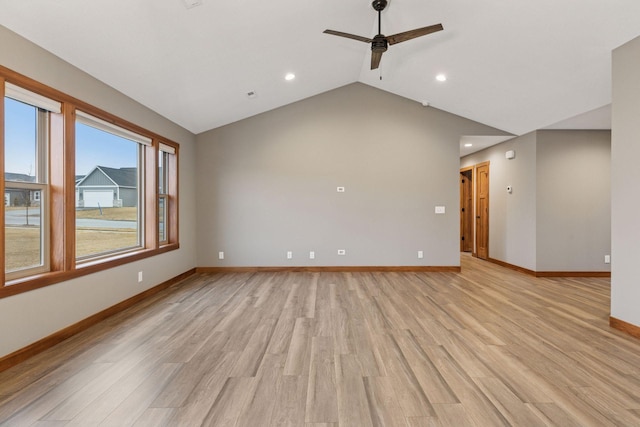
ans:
(22, 247)
(22, 244)
(114, 214)
(90, 242)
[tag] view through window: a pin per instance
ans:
(25, 187)
(107, 190)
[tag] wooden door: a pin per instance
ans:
(466, 210)
(482, 210)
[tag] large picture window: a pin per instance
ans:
(109, 188)
(84, 190)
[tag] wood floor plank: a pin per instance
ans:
(322, 400)
(487, 346)
(384, 409)
(230, 401)
(299, 354)
(411, 396)
(290, 402)
(155, 417)
(181, 386)
(431, 381)
(251, 357)
(353, 405)
(47, 402)
(509, 405)
(135, 404)
(199, 402)
(259, 406)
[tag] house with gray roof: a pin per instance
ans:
(17, 196)
(107, 187)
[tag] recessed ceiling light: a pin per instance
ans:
(441, 78)
(468, 145)
(290, 76)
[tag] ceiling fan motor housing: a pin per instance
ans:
(379, 43)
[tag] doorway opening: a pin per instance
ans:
(466, 209)
(482, 210)
(474, 210)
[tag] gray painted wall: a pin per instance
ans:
(625, 179)
(573, 230)
(512, 217)
(30, 316)
(267, 184)
(557, 217)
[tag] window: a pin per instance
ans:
(109, 169)
(115, 203)
(26, 138)
(166, 155)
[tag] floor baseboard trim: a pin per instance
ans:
(334, 269)
(43, 344)
(550, 273)
(512, 266)
(625, 327)
(573, 274)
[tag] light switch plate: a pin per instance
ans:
(440, 209)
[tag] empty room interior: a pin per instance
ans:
(388, 213)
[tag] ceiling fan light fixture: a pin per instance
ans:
(380, 42)
(441, 78)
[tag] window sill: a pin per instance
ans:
(26, 284)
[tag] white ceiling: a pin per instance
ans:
(517, 65)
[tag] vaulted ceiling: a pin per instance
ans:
(517, 65)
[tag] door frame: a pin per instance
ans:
(467, 234)
(481, 220)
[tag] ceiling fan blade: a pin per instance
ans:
(375, 59)
(412, 34)
(347, 35)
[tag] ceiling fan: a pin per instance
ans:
(380, 42)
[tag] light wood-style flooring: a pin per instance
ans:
(485, 347)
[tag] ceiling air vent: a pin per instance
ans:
(191, 3)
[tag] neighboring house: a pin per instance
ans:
(108, 187)
(18, 197)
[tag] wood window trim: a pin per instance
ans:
(62, 249)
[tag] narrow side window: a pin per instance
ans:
(26, 184)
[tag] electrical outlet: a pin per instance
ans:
(139, 276)
(289, 254)
(342, 252)
(312, 255)
(420, 254)
(220, 255)
(607, 259)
